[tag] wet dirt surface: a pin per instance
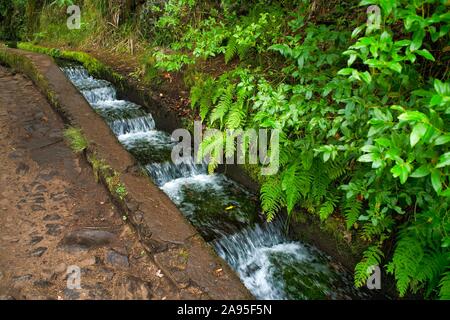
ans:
(53, 214)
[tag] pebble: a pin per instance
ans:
(60, 268)
(36, 240)
(116, 259)
(38, 252)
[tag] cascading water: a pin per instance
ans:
(270, 264)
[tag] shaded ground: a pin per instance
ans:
(54, 215)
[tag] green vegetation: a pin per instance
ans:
(94, 66)
(111, 177)
(364, 108)
(76, 139)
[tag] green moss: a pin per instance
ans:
(94, 66)
(78, 143)
(112, 178)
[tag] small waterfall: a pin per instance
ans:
(269, 263)
(164, 172)
(140, 124)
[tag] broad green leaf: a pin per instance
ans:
(367, 78)
(442, 140)
(421, 172)
(417, 39)
(436, 180)
(366, 158)
(369, 148)
(425, 53)
(444, 160)
(383, 142)
(346, 71)
(417, 133)
(412, 116)
(402, 171)
(397, 67)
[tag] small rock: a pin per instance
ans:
(54, 229)
(52, 217)
(36, 207)
(60, 268)
(87, 238)
(38, 252)
(116, 259)
(36, 240)
(23, 278)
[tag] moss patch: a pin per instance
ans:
(77, 141)
(94, 66)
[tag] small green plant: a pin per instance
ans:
(116, 186)
(76, 139)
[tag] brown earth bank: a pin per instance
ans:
(75, 223)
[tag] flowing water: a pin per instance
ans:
(269, 263)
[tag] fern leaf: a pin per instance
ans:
(272, 199)
(236, 116)
(444, 292)
(406, 260)
(224, 105)
(352, 212)
(371, 257)
(230, 50)
(326, 210)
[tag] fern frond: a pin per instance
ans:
(231, 49)
(352, 212)
(444, 292)
(431, 269)
(335, 169)
(196, 94)
(371, 257)
(406, 261)
(272, 199)
(327, 208)
(224, 105)
(236, 116)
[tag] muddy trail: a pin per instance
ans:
(53, 214)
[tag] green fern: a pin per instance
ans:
(406, 261)
(231, 49)
(352, 212)
(236, 116)
(327, 207)
(272, 199)
(196, 94)
(371, 257)
(335, 169)
(444, 292)
(224, 105)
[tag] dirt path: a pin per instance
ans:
(54, 215)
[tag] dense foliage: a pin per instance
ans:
(364, 109)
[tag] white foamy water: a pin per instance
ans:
(131, 126)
